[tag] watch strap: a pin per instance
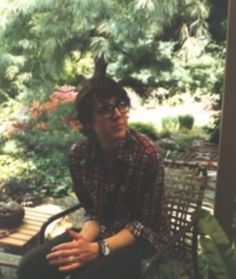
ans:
(103, 247)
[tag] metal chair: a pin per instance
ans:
(185, 184)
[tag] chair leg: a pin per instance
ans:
(195, 255)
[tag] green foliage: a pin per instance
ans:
(169, 125)
(218, 251)
(213, 129)
(45, 43)
(12, 167)
(48, 43)
(39, 158)
(145, 128)
(46, 34)
(184, 140)
(176, 137)
(41, 162)
(176, 144)
(186, 121)
(77, 65)
(200, 71)
(49, 152)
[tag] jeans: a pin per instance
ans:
(124, 263)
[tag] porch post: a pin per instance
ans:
(226, 177)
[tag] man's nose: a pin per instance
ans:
(116, 112)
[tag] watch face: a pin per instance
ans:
(104, 248)
(107, 249)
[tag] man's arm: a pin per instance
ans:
(90, 230)
(71, 255)
(121, 239)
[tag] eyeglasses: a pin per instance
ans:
(108, 110)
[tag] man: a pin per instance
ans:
(118, 177)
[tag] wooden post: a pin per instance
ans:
(226, 177)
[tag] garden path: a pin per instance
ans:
(206, 154)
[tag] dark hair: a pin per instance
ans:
(96, 89)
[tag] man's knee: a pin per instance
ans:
(35, 265)
(26, 266)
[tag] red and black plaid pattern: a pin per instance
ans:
(124, 191)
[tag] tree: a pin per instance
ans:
(40, 36)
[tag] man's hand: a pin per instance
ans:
(71, 255)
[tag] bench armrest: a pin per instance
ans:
(55, 217)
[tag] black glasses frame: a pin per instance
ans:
(108, 109)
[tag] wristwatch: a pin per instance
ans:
(104, 248)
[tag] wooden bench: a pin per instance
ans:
(17, 242)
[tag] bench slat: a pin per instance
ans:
(30, 227)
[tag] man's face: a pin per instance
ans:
(110, 119)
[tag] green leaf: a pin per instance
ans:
(218, 250)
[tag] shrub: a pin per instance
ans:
(38, 157)
(217, 250)
(213, 129)
(186, 121)
(145, 128)
(169, 125)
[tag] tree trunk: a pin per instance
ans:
(100, 67)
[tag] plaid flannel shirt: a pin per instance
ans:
(128, 193)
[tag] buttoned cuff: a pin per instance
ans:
(135, 228)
